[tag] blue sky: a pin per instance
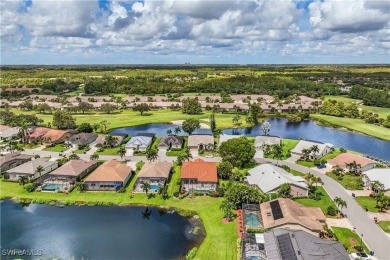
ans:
(195, 31)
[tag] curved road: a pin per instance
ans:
(373, 236)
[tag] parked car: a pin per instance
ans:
(362, 256)
(209, 156)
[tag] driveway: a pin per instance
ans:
(374, 237)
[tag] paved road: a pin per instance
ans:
(374, 237)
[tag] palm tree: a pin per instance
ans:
(121, 151)
(306, 154)
(169, 132)
(226, 207)
(94, 157)
(340, 203)
(151, 154)
(277, 151)
(145, 187)
(177, 130)
(315, 149)
(110, 140)
(23, 180)
(40, 169)
(377, 186)
(309, 177)
(218, 133)
(354, 168)
(316, 180)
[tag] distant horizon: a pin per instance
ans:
(205, 64)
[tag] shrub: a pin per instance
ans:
(29, 187)
(331, 211)
(176, 194)
(342, 150)
(192, 253)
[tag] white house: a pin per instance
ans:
(323, 148)
(139, 143)
(378, 174)
(266, 140)
(268, 178)
(7, 132)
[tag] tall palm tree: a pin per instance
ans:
(40, 169)
(94, 157)
(340, 203)
(145, 187)
(217, 133)
(309, 177)
(169, 132)
(354, 168)
(23, 180)
(121, 151)
(315, 149)
(316, 180)
(177, 130)
(152, 154)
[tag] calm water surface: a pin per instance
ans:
(95, 232)
(280, 127)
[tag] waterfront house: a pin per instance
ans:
(11, 160)
(323, 149)
(268, 178)
(170, 142)
(110, 176)
(34, 134)
(65, 177)
(31, 168)
(81, 139)
(342, 161)
(381, 175)
(224, 138)
(286, 213)
(155, 173)
(263, 140)
(287, 243)
(7, 132)
(54, 136)
(140, 142)
(199, 176)
(198, 142)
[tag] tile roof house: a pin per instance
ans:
(7, 132)
(81, 139)
(74, 170)
(30, 169)
(155, 173)
(171, 141)
(11, 160)
(286, 213)
(291, 244)
(37, 133)
(139, 143)
(324, 148)
(266, 140)
(199, 176)
(54, 136)
(110, 176)
(268, 178)
(200, 141)
(378, 174)
(343, 159)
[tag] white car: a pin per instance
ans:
(362, 256)
(209, 156)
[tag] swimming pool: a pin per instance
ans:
(252, 221)
(154, 187)
(52, 187)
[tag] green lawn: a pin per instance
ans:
(385, 225)
(219, 236)
(109, 151)
(182, 151)
(57, 148)
(81, 151)
(288, 144)
(356, 125)
(349, 182)
(323, 203)
(332, 155)
(174, 180)
(305, 163)
(296, 173)
(366, 201)
(348, 238)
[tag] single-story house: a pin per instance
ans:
(291, 244)
(200, 142)
(140, 142)
(11, 160)
(377, 174)
(324, 148)
(30, 169)
(171, 141)
(110, 176)
(286, 213)
(81, 139)
(224, 138)
(155, 173)
(342, 160)
(268, 178)
(65, 177)
(54, 136)
(7, 132)
(266, 140)
(36, 133)
(199, 176)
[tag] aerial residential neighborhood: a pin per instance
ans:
(210, 130)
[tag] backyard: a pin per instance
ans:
(349, 239)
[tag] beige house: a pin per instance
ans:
(110, 176)
(342, 161)
(155, 173)
(200, 142)
(286, 213)
(11, 160)
(30, 169)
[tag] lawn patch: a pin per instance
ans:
(348, 181)
(385, 225)
(324, 202)
(59, 148)
(367, 203)
(349, 239)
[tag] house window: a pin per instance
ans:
(93, 184)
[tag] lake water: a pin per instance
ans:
(95, 232)
(280, 127)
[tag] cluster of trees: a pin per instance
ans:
(371, 97)
(63, 120)
(191, 106)
(237, 151)
(11, 119)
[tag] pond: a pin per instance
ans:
(280, 127)
(116, 232)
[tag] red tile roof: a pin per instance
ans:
(345, 158)
(200, 170)
(55, 135)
